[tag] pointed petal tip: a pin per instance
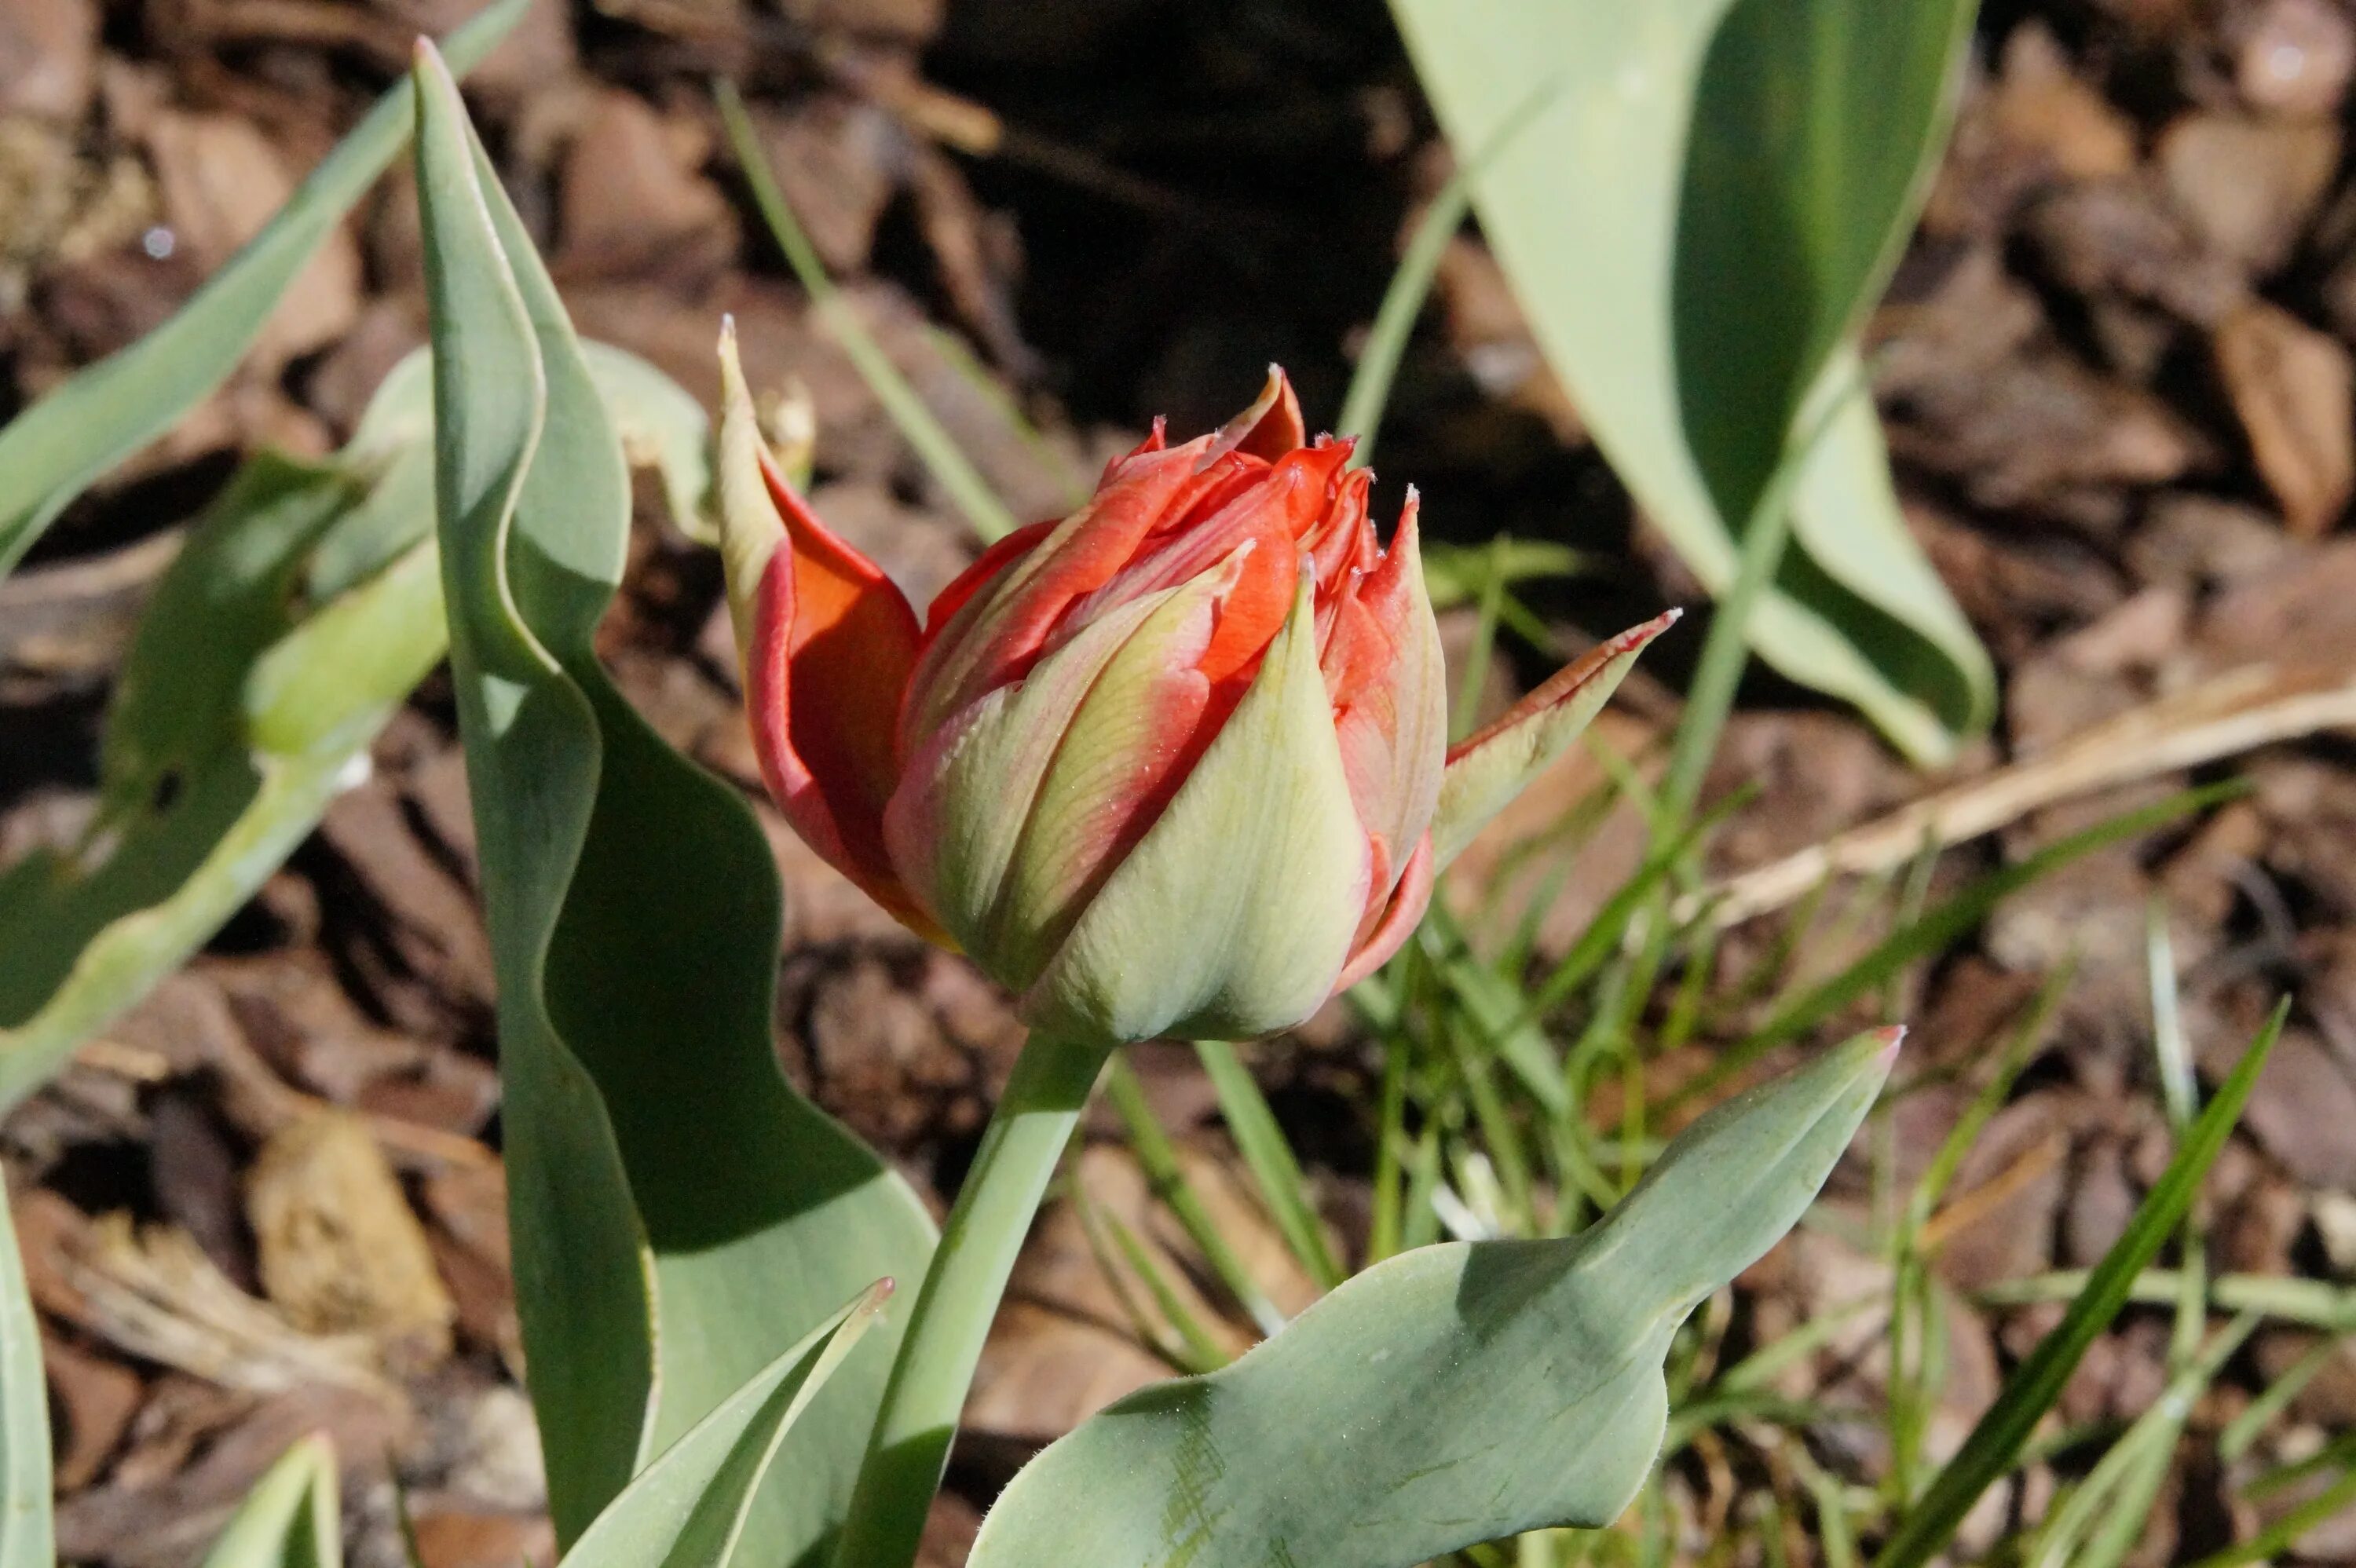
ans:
(1891, 1039)
(1269, 428)
(1636, 636)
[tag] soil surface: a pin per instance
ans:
(2115, 371)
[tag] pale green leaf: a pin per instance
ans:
(1704, 199)
(68, 441)
(245, 705)
(677, 1207)
(237, 717)
(292, 1519)
(1454, 1394)
(688, 1508)
(26, 1533)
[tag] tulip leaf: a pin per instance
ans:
(1697, 202)
(688, 1508)
(236, 719)
(26, 1533)
(677, 1207)
(292, 1518)
(67, 441)
(1456, 1393)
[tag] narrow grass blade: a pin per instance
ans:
(1996, 1441)
(1166, 1178)
(292, 1519)
(1268, 1152)
(939, 450)
(1410, 284)
(1940, 926)
(68, 441)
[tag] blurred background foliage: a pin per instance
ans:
(2059, 515)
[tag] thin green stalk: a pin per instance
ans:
(1166, 1178)
(1727, 648)
(1201, 1352)
(2284, 1531)
(939, 450)
(2274, 1398)
(1167, 1333)
(1941, 925)
(1393, 324)
(1390, 1177)
(1387, 339)
(2310, 1303)
(1263, 1145)
(1465, 712)
(917, 1421)
(1498, 1129)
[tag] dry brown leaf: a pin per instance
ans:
(340, 1252)
(2291, 386)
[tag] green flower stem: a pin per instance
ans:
(910, 1445)
(1724, 652)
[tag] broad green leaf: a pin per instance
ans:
(1454, 1394)
(662, 428)
(292, 1519)
(688, 1508)
(26, 1536)
(61, 445)
(676, 1205)
(1706, 197)
(236, 719)
(245, 705)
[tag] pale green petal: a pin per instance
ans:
(750, 529)
(1235, 914)
(1122, 718)
(953, 825)
(1496, 766)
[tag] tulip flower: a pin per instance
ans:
(1177, 763)
(1174, 764)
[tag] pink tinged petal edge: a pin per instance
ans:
(967, 794)
(827, 641)
(1399, 916)
(996, 635)
(1124, 754)
(1394, 735)
(1487, 770)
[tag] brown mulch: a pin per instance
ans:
(2116, 368)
